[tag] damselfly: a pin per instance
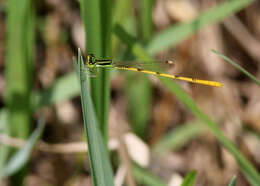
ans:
(93, 63)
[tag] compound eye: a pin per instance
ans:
(91, 59)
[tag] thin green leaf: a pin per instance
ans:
(100, 166)
(178, 137)
(19, 65)
(147, 178)
(247, 168)
(146, 19)
(122, 12)
(3, 149)
(232, 181)
(139, 92)
(189, 179)
(96, 16)
(19, 160)
(19, 69)
(237, 66)
(179, 32)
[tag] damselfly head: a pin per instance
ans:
(91, 59)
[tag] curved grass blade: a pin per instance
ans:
(238, 67)
(20, 159)
(178, 137)
(232, 181)
(144, 177)
(99, 160)
(189, 179)
(177, 33)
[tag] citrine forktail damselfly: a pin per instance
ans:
(93, 63)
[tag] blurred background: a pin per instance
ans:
(149, 127)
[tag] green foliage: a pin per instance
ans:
(20, 159)
(19, 69)
(179, 32)
(145, 177)
(178, 137)
(237, 66)
(189, 180)
(232, 181)
(3, 149)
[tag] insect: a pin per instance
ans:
(92, 63)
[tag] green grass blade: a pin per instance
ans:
(3, 149)
(122, 11)
(19, 159)
(96, 16)
(91, 15)
(19, 70)
(177, 33)
(139, 92)
(232, 181)
(146, 19)
(246, 167)
(178, 137)
(19, 66)
(237, 66)
(100, 166)
(189, 179)
(139, 89)
(142, 176)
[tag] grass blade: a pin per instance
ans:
(246, 167)
(140, 96)
(19, 70)
(3, 149)
(100, 165)
(19, 66)
(122, 12)
(177, 33)
(139, 89)
(189, 179)
(232, 181)
(144, 177)
(146, 19)
(96, 16)
(238, 67)
(19, 160)
(178, 137)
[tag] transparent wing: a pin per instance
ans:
(149, 65)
